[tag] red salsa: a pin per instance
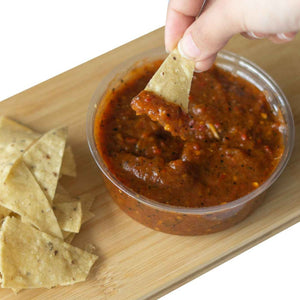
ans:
(227, 145)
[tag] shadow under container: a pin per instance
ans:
(180, 220)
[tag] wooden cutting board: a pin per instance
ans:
(137, 262)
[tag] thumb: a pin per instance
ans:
(210, 33)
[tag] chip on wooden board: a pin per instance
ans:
(172, 81)
(9, 155)
(69, 238)
(22, 194)
(13, 132)
(14, 140)
(68, 166)
(34, 259)
(44, 159)
(69, 215)
(86, 200)
(4, 212)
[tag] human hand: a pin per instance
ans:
(201, 38)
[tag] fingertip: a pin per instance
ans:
(188, 48)
(282, 38)
(286, 36)
(204, 65)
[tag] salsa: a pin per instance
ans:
(227, 145)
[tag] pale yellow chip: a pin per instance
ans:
(34, 259)
(172, 81)
(13, 132)
(88, 215)
(70, 237)
(60, 189)
(86, 200)
(44, 159)
(68, 166)
(14, 140)
(9, 155)
(22, 194)
(69, 215)
(62, 195)
(4, 212)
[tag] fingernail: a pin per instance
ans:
(198, 67)
(283, 36)
(255, 36)
(187, 47)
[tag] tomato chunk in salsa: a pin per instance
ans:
(227, 145)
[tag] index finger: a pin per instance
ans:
(180, 15)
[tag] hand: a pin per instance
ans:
(201, 38)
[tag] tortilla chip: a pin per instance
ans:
(86, 200)
(13, 132)
(22, 194)
(4, 212)
(60, 189)
(44, 159)
(8, 157)
(68, 215)
(70, 237)
(172, 81)
(68, 166)
(34, 259)
(61, 197)
(87, 216)
(14, 140)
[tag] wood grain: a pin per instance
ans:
(137, 262)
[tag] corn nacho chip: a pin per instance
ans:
(9, 155)
(22, 194)
(14, 140)
(13, 132)
(68, 166)
(70, 237)
(172, 81)
(88, 215)
(69, 215)
(86, 200)
(44, 159)
(4, 212)
(34, 259)
(61, 197)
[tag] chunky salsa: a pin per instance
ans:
(227, 145)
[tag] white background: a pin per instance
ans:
(40, 39)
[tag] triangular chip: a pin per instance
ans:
(4, 212)
(22, 194)
(69, 215)
(60, 189)
(87, 216)
(70, 237)
(172, 81)
(68, 166)
(9, 155)
(13, 132)
(14, 140)
(86, 200)
(34, 259)
(44, 159)
(61, 197)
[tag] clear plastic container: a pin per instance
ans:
(190, 221)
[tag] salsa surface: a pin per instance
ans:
(226, 146)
